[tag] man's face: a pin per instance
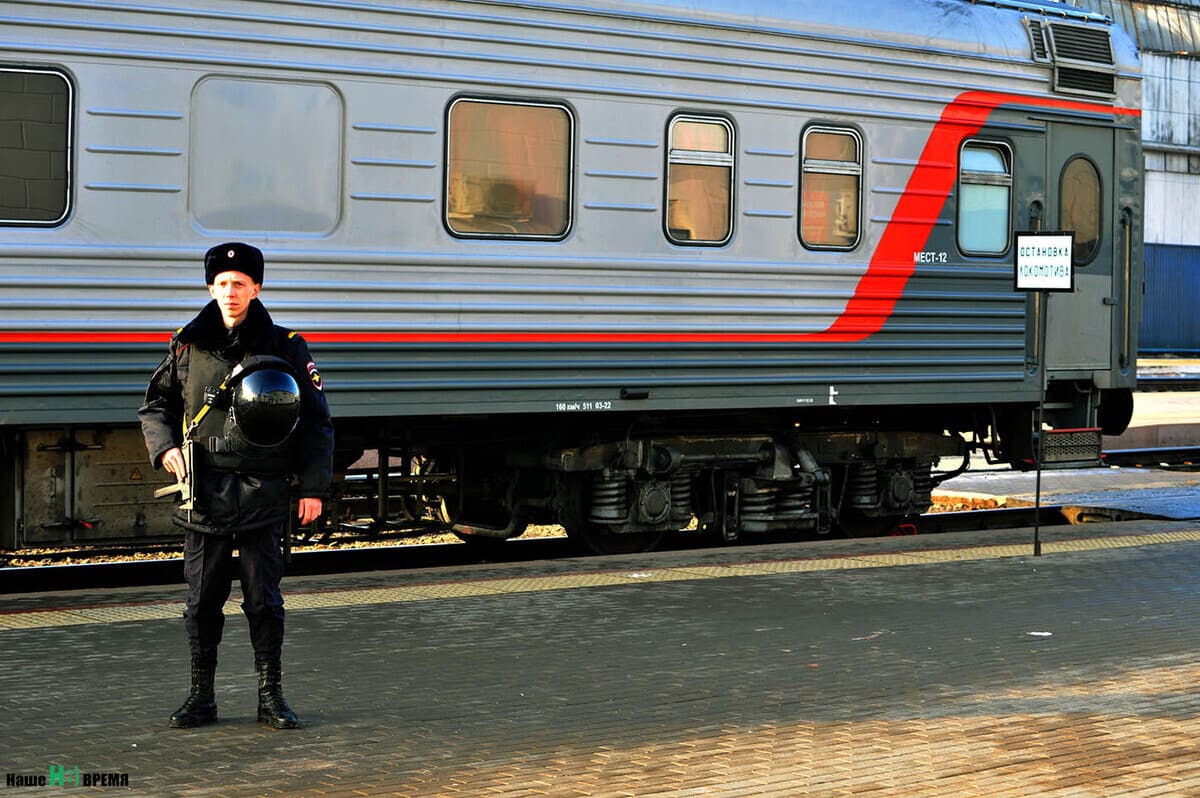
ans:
(233, 292)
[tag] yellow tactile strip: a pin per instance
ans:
(120, 613)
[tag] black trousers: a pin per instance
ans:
(208, 567)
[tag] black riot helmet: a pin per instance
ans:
(264, 405)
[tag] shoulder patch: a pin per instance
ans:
(292, 337)
(314, 376)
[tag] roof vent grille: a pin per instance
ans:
(1083, 81)
(1077, 43)
(1083, 59)
(1037, 39)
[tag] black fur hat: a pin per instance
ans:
(233, 257)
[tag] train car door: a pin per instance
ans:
(1079, 191)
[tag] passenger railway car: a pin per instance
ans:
(613, 264)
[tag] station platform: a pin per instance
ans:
(1088, 493)
(941, 665)
(1160, 419)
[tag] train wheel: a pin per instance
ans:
(591, 538)
(595, 539)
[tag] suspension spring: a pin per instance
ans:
(758, 501)
(863, 484)
(922, 482)
(681, 495)
(609, 499)
(795, 503)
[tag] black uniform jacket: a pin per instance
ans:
(229, 501)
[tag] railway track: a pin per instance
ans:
(1184, 383)
(1170, 457)
(396, 556)
(167, 571)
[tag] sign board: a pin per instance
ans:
(1043, 262)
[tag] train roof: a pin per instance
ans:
(858, 14)
(1054, 8)
(989, 29)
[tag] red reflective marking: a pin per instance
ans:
(89, 337)
(874, 298)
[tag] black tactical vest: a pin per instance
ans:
(206, 372)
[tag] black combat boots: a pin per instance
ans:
(201, 705)
(273, 708)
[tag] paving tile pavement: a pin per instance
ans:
(1067, 675)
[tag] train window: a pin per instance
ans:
(830, 188)
(35, 131)
(1079, 198)
(984, 198)
(254, 167)
(508, 169)
(699, 180)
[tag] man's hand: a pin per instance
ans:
(173, 461)
(310, 510)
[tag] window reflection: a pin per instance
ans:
(830, 189)
(700, 181)
(35, 109)
(984, 198)
(509, 169)
(1079, 195)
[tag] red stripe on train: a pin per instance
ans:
(83, 337)
(928, 188)
(874, 298)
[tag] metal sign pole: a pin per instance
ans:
(1039, 452)
(1042, 264)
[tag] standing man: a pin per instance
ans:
(235, 411)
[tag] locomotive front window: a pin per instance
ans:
(700, 181)
(508, 170)
(984, 198)
(1079, 197)
(830, 189)
(35, 129)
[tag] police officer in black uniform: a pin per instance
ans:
(244, 399)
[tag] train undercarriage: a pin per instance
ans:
(625, 491)
(620, 496)
(616, 484)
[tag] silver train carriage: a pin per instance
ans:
(613, 264)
